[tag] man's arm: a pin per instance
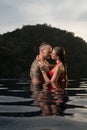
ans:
(35, 73)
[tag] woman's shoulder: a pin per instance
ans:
(59, 64)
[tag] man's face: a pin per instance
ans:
(47, 52)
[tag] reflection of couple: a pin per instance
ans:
(42, 71)
(51, 102)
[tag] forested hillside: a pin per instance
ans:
(19, 48)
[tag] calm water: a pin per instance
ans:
(26, 106)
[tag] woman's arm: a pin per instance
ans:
(45, 76)
(56, 74)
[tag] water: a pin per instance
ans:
(26, 106)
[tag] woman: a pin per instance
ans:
(58, 72)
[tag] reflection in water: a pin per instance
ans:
(50, 98)
(18, 99)
(24, 106)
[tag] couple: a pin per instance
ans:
(41, 71)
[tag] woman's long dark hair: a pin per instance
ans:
(61, 53)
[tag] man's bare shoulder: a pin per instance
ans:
(34, 64)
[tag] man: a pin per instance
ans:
(45, 50)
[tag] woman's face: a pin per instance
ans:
(53, 55)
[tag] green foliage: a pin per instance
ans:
(19, 48)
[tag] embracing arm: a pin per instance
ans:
(55, 76)
(45, 76)
(44, 73)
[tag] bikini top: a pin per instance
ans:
(51, 72)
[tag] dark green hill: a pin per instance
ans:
(19, 48)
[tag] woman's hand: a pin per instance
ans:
(40, 63)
